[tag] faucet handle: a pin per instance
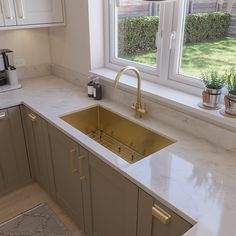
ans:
(143, 109)
(133, 106)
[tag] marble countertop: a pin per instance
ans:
(192, 177)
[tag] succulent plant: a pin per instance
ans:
(213, 80)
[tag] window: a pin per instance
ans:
(174, 42)
(137, 25)
(134, 34)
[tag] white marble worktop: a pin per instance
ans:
(192, 177)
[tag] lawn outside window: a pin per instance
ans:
(170, 42)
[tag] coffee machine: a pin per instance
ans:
(8, 75)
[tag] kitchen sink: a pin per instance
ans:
(130, 141)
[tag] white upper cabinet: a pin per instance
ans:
(1, 16)
(38, 11)
(31, 13)
(8, 13)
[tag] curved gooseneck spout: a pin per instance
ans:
(138, 106)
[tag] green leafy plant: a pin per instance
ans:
(213, 80)
(230, 78)
(206, 26)
(137, 34)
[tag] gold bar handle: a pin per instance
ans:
(161, 215)
(2, 115)
(72, 162)
(32, 117)
(81, 169)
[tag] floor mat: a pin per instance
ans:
(38, 221)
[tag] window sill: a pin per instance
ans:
(172, 98)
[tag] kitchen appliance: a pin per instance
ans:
(8, 75)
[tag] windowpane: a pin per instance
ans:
(210, 37)
(137, 27)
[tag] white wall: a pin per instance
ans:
(30, 44)
(70, 46)
(96, 30)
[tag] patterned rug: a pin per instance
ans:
(38, 221)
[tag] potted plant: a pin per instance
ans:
(214, 82)
(230, 99)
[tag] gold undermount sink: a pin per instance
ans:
(125, 138)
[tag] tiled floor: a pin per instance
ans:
(28, 197)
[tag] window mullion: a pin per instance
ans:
(166, 29)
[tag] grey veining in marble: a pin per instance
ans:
(70, 76)
(199, 128)
(193, 177)
(39, 221)
(30, 72)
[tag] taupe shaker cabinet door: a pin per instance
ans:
(69, 160)
(114, 201)
(37, 140)
(155, 219)
(14, 167)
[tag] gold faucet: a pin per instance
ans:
(138, 107)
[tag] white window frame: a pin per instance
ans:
(176, 52)
(112, 61)
(169, 49)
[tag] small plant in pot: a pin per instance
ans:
(230, 99)
(214, 82)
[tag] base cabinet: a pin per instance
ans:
(114, 201)
(70, 173)
(37, 140)
(100, 200)
(14, 167)
(155, 219)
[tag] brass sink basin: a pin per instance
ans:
(127, 139)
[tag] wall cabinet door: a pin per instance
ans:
(30, 12)
(69, 165)
(37, 140)
(7, 13)
(14, 167)
(1, 15)
(155, 219)
(114, 201)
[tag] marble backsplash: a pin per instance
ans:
(30, 72)
(71, 76)
(197, 127)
